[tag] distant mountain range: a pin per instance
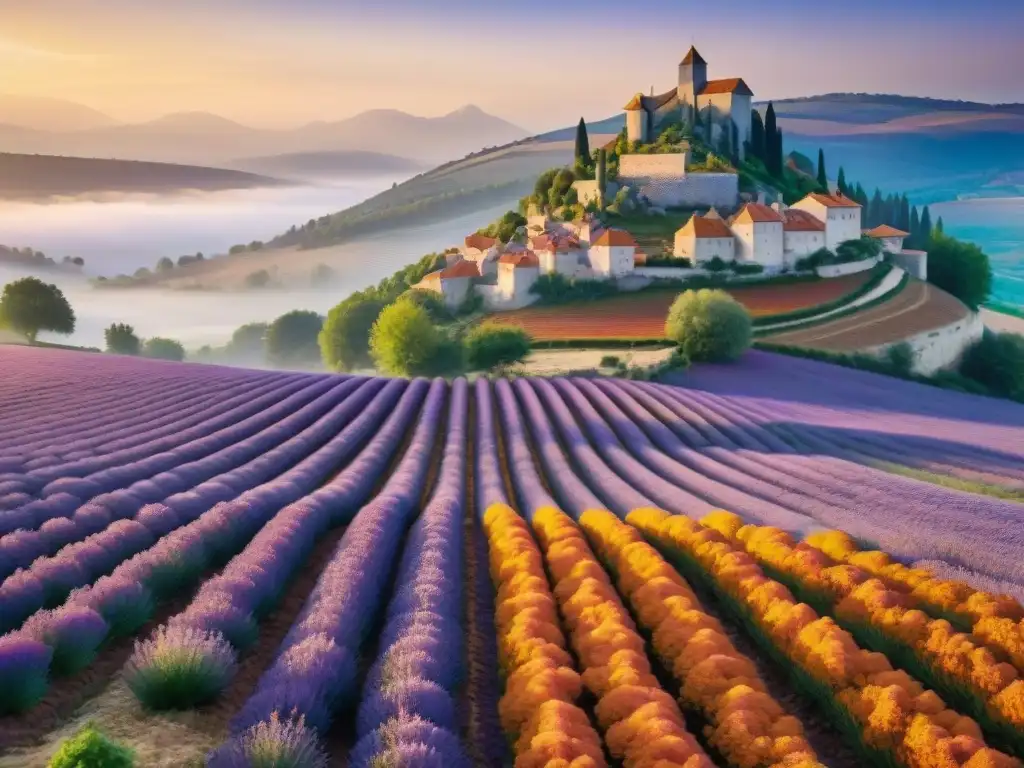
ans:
(38, 126)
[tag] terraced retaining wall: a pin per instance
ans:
(942, 347)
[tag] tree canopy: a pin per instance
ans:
(292, 339)
(249, 343)
(959, 268)
(997, 361)
(345, 337)
(29, 306)
(122, 340)
(490, 345)
(404, 341)
(709, 325)
(163, 349)
(822, 173)
(582, 149)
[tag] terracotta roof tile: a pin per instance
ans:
(729, 85)
(884, 230)
(801, 221)
(758, 214)
(838, 200)
(460, 269)
(704, 227)
(615, 237)
(520, 259)
(480, 242)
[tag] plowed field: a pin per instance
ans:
(642, 315)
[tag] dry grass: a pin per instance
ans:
(554, 361)
(174, 740)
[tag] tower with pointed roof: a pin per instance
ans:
(693, 76)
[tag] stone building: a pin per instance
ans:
(840, 214)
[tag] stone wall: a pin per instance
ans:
(851, 268)
(664, 181)
(942, 348)
(914, 262)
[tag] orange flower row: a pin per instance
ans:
(746, 725)
(996, 619)
(858, 597)
(950, 597)
(895, 712)
(538, 707)
(642, 723)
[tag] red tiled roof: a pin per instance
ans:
(520, 259)
(838, 200)
(801, 221)
(480, 242)
(884, 230)
(433, 277)
(729, 85)
(459, 269)
(554, 242)
(703, 227)
(758, 214)
(615, 237)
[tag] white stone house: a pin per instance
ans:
(518, 270)
(759, 235)
(840, 214)
(453, 283)
(703, 238)
(557, 253)
(802, 233)
(891, 238)
(914, 262)
(612, 254)
(482, 251)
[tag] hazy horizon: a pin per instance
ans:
(270, 64)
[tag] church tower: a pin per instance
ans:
(693, 76)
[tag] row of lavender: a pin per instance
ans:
(165, 549)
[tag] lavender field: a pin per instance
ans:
(228, 567)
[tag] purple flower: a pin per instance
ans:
(413, 694)
(21, 595)
(274, 742)
(24, 665)
(179, 667)
(73, 632)
(124, 604)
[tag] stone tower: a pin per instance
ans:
(693, 76)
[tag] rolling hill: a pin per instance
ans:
(315, 166)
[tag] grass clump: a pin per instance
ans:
(89, 748)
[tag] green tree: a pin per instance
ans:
(490, 345)
(292, 339)
(160, 348)
(29, 306)
(876, 210)
(121, 339)
(773, 145)
(861, 196)
(709, 125)
(403, 341)
(709, 325)
(959, 268)
(858, 250)
(165, 265)
(602, 176)
(925, 227)
(249, 343)
(997, 361)
(582, 153)
(939, 226)
(904, 218)
(345, 337)
(915, 229)
(757, 135)
(822, 174)
(841, 184)
(259, 279)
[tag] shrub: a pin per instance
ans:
(24, 664)
(610, 361)
(272, 744)
(430, 301)
(89, 748)
(997, 361)
(820, 258)
(901, 358)
(163, 349)
(709, 325)
(345, 337)
(716, 264)
(179, 668)
(959, 268)
(403, 341)
(73, 632)
(490, 345)
(745, 268)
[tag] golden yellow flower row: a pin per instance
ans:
(860, 598)
(643, 726)
(996, 619)
(538, 707)
(746, 725)
(895, 713)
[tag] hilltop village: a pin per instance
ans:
(679, 154)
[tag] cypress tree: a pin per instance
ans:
(876, 209)
(915, 229)
(861, 196)
(582, 143)
(822, 175)
(709, 124)
(841, 184)
(734, 132)
(601, 176)
(926, 228)
(771, 139)
(757, 137)
(939, 226)
(904, 219)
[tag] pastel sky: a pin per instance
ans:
(539, 63)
